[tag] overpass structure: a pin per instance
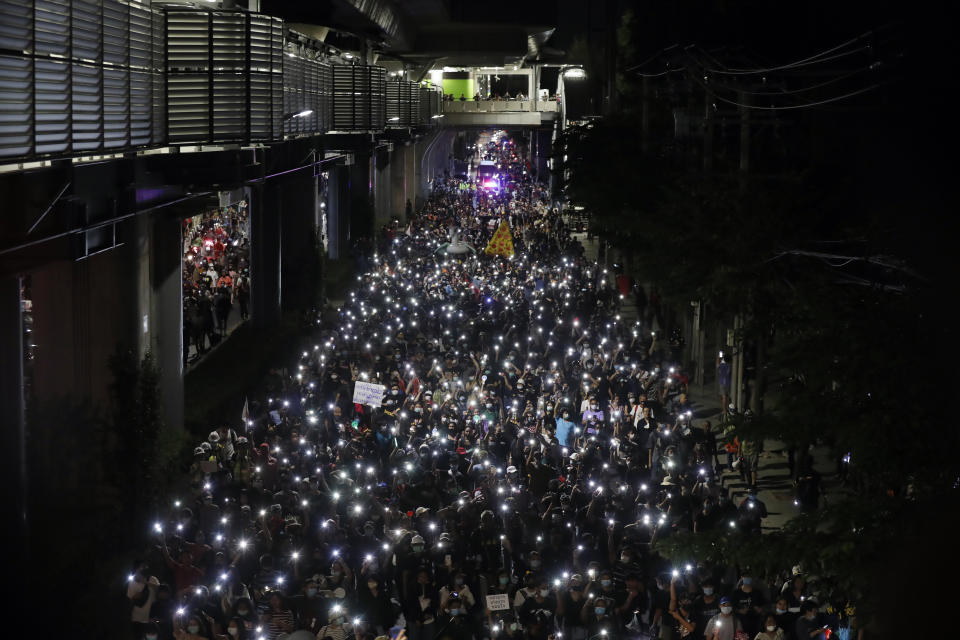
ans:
(121, 121)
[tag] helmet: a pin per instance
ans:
(214, 437)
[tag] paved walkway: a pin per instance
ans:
(233, 321)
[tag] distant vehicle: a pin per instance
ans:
(488, 176)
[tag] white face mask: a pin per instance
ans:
(771, 627)
(726, 610)
(233, 631)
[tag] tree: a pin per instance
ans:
(844, 338)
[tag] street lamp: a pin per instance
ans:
(297, 114)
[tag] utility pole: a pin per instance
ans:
(645, 116)
(744, 133)
(707, 132)
(737, 391)
(756, 395)
(697, 347)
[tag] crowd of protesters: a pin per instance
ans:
(216, 275)
(528, 449)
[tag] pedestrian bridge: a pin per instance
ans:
(466, 113)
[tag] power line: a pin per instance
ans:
(793, 106)
(694, 59)
(793, 65)
(657, 75)
(814, 59)
(781, 92)
(784, 92)
(652, 58)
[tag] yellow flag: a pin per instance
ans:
(501, 244)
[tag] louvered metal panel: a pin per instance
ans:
(16, 26)
(405, 116)
(402, 103)
(108, 75)
(16, 106)
(229, 90)
(276, 70)
(325, 119)
(359, 98)
(188, 107)
(86, 30)
(141, 108)
(51, 85)
(188, 41)
(276, 98)
(261, 43)
(87, 107)
(94, 84)
(413, 106)
(307, 86)
(392, 93)
(293, 70)
(116, 32)
(261, 107)
(229, 42)
(116, 108)
(141, 75)
(266, 86)
(378, 103)
(276, 45)
(430, 103)
(141, 36)
(51, 28)
(226, 64)
(159, 78)
(311, 96)
(229, 113)
(424, 105)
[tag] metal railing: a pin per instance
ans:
(497, 106)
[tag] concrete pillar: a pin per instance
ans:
(265, 253)
(531, 88)
(535, 97)
(398, 191)
(164, 326)
(361, 187)
(13, 420)
(383, 161)
(338, 212)
(543, 151)
(55, 367)
(419, 179)
(433, 159)
(82, 315)
(410, 174)
(298, 231)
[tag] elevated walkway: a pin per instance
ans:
(482, 113)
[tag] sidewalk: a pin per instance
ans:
(233, 321)
(774, 482)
